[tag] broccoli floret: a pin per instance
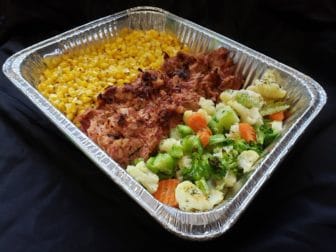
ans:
(163, 165)
(241, 145)
(266, 134)
(200, 168)
(184, 130)
(225, 118)
(203, 185)
(217, 139)
(191, 143)
(218, 168)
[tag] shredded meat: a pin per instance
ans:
(130, 121)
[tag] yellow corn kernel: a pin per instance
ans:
(73, 80)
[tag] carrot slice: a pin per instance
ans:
(247, 132)
(197, 121)
(166, 192)
(279, 116)
(204, 136)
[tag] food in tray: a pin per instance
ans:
(72, 80)
(187, 132)
(178, 122)
(130, 121)
(208, 156)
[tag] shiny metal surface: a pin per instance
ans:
(306, 96)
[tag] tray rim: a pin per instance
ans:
(110, 167)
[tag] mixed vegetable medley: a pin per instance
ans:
(208, 158)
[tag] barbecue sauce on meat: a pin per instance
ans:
(130, 121)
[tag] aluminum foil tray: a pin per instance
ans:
(305, 95)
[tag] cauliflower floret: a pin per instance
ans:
(191, 198)
(234, 132)
(251, 116)
(245, 97)
(144, 176)
(220, 106)
(168, 143)
(246, 160)
(249, 99)
(269, 85)
(268, 90)
(230, 179)
(220, 184)
(215, 197)
(218, 152)
(229, 148)
(272, 76)
(237, 186)
(184, 162)
(179, 175)
(276, 126)
(208, 105)
(227, 95)
(227, 182)
(273, 107)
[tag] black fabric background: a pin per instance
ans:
(52, 198)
